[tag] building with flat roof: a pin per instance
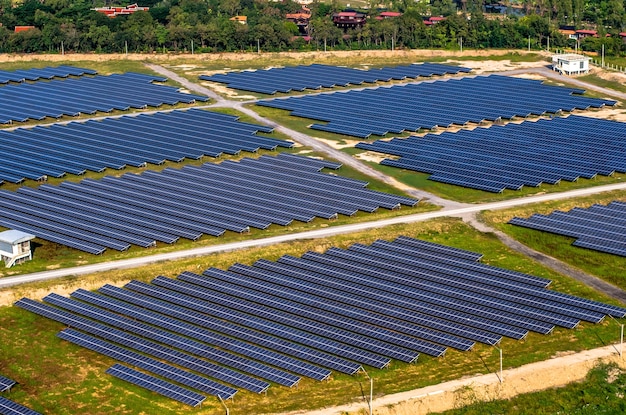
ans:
(15, 247)
(570, 64)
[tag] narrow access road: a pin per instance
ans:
(314, 234)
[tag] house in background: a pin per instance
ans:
(114, 11)
(349, 19)
(15, 247)
(301, 18)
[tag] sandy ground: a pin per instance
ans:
(566, 368)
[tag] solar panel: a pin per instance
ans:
(512, 156)
(8, 407)
(157, 385)
(162, 369)
(87, 95)
(316, 76)
(36, 74)
(77, 147)
(443, 103)
(600, 228)
(148, 332)
(143, 209)
(6, 383)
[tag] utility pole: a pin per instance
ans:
(369, 404)
(62, 49)
(461, 43)
(529, 43)
(192, 46)
(548, 43)
(126, 47)
(602, 55)
(258, 46)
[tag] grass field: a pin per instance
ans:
(58, 378)
(602, 392)
(611, 268)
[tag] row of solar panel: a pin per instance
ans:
(514, 155)
(35, 74)
(317, 313)
(430, 104)
(115, 212)
(131, 140)
(8, 407)
(316, 76)
(87, 95)
(601, 228)
(6, 383)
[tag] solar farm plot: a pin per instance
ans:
(319, 313)
(114, 143)
(514, 155)
(87, 95)
(142, 209)
(599, 227)
(426, 105)
(47, 73)
(317, 76)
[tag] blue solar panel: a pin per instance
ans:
(515, 155)
(8, 407)
(218, 324)
(36, 74)
(151, 332)
(162, 369)
(241, 347)
(157, 385)
(600, 228)
(143, 209)
(6, 383)
(76, 147)
(87, 95)
(432, 104)
(316, 76)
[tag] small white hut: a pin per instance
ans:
(15, 247)
(570, 64)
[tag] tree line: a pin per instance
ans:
(205, 26)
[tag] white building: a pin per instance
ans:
(15, 247)
(570, 64)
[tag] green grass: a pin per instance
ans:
(58, 378)
(596, 80)
(606, 266)
(602, 392)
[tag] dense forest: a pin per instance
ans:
(205, 26)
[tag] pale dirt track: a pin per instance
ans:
(552, 373)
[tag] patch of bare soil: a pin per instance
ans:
(479, 67)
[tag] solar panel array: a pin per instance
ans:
(156, 385)
(8, 407)
(141, 209)
(312, 315)
(6, 383)
(36, 74)
(514, 155)
(316, 76)
(599, 227)
(428, 105)
(87, 95)
(74, 148)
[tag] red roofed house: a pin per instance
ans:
(387, 15)
(349, 20)
(623, 36)
(114, 11)
(582, 33)
(23, 28)
(433, 19)
(301, 18)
